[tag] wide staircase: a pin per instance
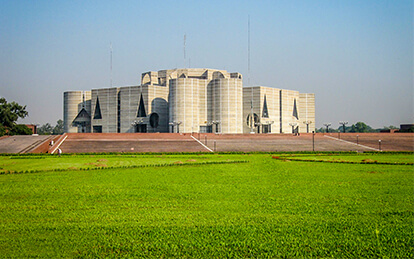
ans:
(172, 142)
(22, 144)
(277, 143)
(130, 142)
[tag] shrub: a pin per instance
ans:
(20, 130)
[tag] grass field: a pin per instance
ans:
(206, 205)
(406, 158)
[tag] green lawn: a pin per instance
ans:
(264, 208)
(374, 157)
(73, 162)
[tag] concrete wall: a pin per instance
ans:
(227, 106)
(73, 102)
(184, 104)
(195, 102)
(108, 103)
(307, 111)
(287, 100)
(273, 106)
(130, 97)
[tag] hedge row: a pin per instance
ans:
(205, 153)
(27, 157)
(341, 162)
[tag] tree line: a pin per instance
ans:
(47, 129)
(359, 127)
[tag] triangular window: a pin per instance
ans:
(295, 110)
(265, 113)
(98, 114)
(141, 108)
(82, 118)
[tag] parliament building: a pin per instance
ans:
(189, 101)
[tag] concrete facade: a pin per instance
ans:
(277, 110)
(189, 100)
(73, 103)
(307, 112)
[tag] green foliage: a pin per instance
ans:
(2, 130)
(360, 127)
(389, 127)
(10, 112)
(45, 129)
(320, 130)
(264, 208)
(58, 129)
(20, 129)
(323, 130)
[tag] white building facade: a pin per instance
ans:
(189, 101)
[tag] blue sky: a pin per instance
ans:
(356, 56)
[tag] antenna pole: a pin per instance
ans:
(248, 51)
(111, 61)
(184, 50)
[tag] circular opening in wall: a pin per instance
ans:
(249, 117)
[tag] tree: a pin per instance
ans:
(48, 129)
(323, 130)
(341, 129)
(320, 130)
(389, 128)
(10, 112)
(45, 129)
(20, 129)
(2, 130)
(360, 127)
(58, 129)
